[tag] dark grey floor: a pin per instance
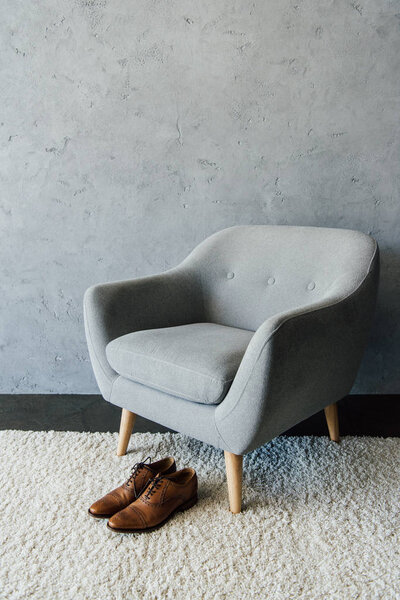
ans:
(359, 415)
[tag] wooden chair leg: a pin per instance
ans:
(332, 419)
(234, 470)
(125, 430)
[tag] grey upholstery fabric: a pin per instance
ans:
(309, 295)
(113, 309)
(249, 274)
(192, 418)
(196, 362)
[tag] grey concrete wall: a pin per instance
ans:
(132, 130)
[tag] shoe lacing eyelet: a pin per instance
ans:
(135, 469)
(153, 486)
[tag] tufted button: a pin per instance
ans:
(311, 286)
(271, 281)
(230, 275)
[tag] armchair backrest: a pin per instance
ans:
(249, 273)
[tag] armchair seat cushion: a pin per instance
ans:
(197, 362)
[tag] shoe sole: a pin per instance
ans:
(189, 504)
(100, 516)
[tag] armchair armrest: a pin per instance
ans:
(114, 309)
(297, 363)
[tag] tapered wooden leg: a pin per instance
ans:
(332, 419)
(125, 430)
(234, 469)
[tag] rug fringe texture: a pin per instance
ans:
(320, 521)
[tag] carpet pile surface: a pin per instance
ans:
(319, 521)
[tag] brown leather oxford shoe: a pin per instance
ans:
(122, 496)
(164, 496)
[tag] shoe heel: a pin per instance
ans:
(188, 504)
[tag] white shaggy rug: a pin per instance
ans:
(321, 521)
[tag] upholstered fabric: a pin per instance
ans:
(297, 363)
(113, 309)
(249, 274)
(196, 362)
(308, 293)
(193, 418)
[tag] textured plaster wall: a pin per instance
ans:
(132, 130)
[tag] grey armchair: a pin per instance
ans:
(257, 329)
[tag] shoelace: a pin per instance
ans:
(153, 486)
(134, 472)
